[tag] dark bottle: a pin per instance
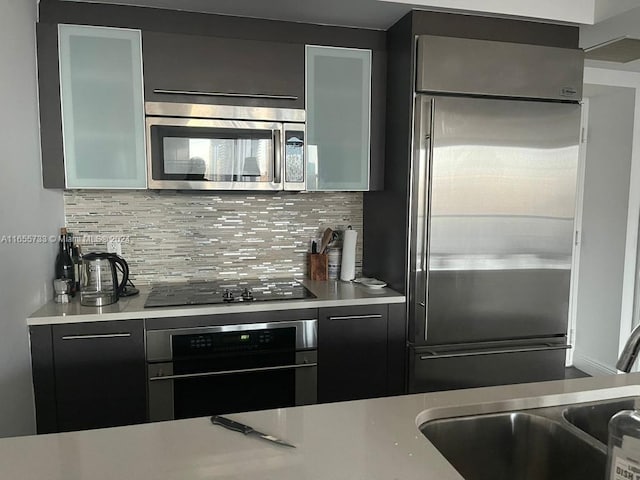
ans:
(76, 257)
(64, 263)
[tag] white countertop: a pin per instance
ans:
(374, 439)
(329, 293)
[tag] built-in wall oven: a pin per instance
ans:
(222, 147)
(199, 371)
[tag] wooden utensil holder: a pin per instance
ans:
(318, 266)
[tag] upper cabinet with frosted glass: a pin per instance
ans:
(101, 107)
(338, 103)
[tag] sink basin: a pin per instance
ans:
(514, 446)
(594, 419)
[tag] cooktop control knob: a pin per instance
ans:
(247, 295)
(227, 296)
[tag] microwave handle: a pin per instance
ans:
(277, 156)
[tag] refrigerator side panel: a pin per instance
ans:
(386, 212)
(501, 219)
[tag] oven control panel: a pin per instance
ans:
(250, 338)
(237, 341)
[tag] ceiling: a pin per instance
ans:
(381, 14)
(599, 20)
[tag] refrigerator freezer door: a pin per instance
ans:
(499, 179)
(434, 370)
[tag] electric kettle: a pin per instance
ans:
(99, 278)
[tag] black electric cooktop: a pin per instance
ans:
(213, 292)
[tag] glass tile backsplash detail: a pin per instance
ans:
(197, 236)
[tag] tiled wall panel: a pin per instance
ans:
(176, 236)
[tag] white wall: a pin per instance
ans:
(25, 208)
(625, 24)
(604, 227)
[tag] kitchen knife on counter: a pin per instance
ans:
(247, 430)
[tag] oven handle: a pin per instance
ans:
(228, 372)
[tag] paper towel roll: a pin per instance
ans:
(348, 267)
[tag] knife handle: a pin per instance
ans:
(231, 425)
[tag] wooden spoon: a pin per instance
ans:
(327, 236)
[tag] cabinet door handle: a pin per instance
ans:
(356, 317)
(98, 335)
(223, 94)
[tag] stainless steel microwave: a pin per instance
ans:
(222, 147)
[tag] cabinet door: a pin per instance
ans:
(226, 71)
(338, 103)
(352, 353)
(102, 107)
(100, 374)
(44, 380)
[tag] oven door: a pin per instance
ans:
(175, 396)
(205, 154)
(195, 372)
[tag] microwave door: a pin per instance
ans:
(204, 154)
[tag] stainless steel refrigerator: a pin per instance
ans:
(491, 202)
(492, 234)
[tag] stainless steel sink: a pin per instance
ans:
(516, 445)
(530, 438)
(593, 419)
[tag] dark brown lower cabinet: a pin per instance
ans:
(355, 355)
(89, 375)
(93, 375)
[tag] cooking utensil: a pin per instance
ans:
(62, 287)
(247, 430)
(327, 236)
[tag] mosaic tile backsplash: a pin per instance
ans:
(176, 236)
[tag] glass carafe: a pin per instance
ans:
(99, 279)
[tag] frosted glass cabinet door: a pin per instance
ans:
(338, 103)
(102, 107)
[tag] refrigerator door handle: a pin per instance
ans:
(422, 185)
(432, 355)
(425, 233)
(428, 148)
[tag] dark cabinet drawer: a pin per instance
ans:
(271, 74)
(352, 353)
(100, 374)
